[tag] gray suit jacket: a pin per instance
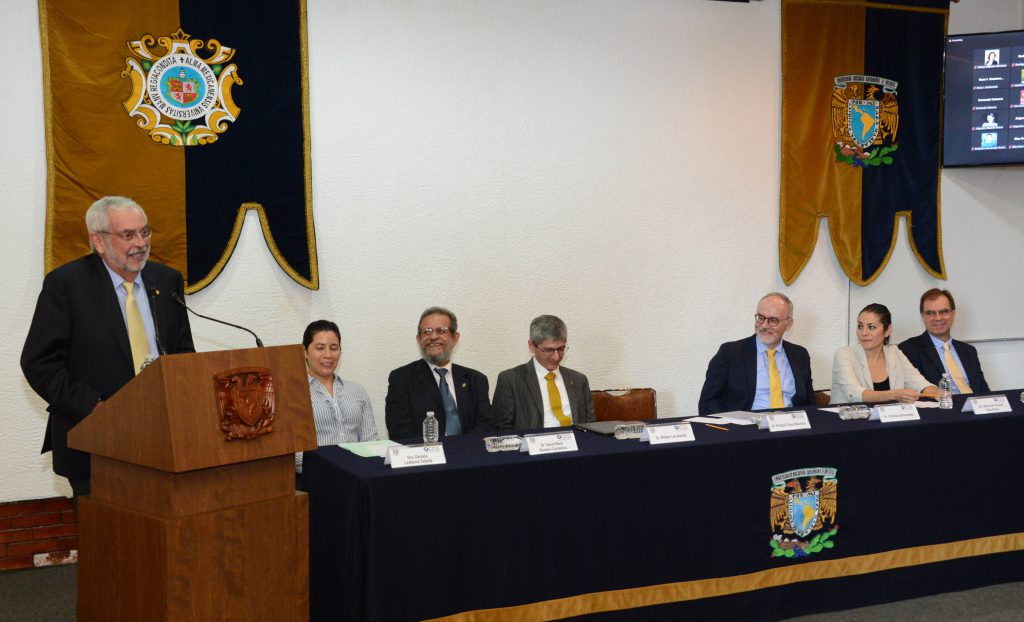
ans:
(518, 403)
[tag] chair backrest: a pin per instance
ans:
(822, 397)
(625, 404)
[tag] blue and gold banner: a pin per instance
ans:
(861, 131)
(197, 110)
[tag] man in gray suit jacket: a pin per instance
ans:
(542, 393)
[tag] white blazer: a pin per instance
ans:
(851, 376)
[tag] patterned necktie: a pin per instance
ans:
(452, 425)
(136, 329)
(774, 382)
(954, 371)
(556, 400)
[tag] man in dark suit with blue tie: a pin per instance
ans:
(934, 352)
(761, 371)
(98, 320)
(457, 395)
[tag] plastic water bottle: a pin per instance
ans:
(945, 392)
(430, 429)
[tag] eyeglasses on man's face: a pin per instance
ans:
(129, 234)
(772, 321)
(939, 312)
(550, 351)
(440, 331)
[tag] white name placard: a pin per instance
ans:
(549, 443)
(668, 433)
(401, 456)
(785, 421)
(887, 413)
(988, 404)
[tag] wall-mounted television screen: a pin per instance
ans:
(984, 100)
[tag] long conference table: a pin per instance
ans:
(623, 530)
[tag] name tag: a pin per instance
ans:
(987, 404)
(549, 443)
(401, 456)
(785, 421)
(887, 413)
(668, 433)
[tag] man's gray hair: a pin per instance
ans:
(97, 217)
(784, 298)
(547, 327)
(442, 311)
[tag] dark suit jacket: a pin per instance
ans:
(77, 351)
(413, 390)
(518, 403)
(731, 380)
(923, 355)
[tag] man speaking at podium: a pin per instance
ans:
(98, 319)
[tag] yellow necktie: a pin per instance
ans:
(954, 371)
(556, 400)
(136, 329)
(774, 382)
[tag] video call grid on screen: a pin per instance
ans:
(984, 99)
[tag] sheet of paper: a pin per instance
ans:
(926, 404)
(831, 410)
(369, 449)
(742, 417)
(718, 420)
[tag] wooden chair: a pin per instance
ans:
(822, 397)
(625, 404)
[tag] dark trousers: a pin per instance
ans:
(79, 487)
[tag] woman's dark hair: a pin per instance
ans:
(878, 309)
(319, 326)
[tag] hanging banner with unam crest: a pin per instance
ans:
(197, 111)
(861, 103)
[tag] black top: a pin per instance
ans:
(882, 386)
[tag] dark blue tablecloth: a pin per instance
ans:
(506, 529)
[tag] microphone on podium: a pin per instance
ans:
(177, 299)
(153, 293)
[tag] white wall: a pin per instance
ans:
(613, 162)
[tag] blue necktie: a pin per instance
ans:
(452, 425)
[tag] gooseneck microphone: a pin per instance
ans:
(177, 299)
(153, 293)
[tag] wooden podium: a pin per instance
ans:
(183, 523)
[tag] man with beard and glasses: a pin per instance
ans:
(460, 404)
(760, 371)
(98, 320)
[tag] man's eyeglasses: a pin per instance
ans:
(129, 234)
(772, 321)
(440, 330)
(930, 313)
(550, 351)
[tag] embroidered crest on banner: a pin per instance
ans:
(865, 119)
(178, 97)
(803, 512)
(245, 399)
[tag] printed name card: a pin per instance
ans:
(887, 413)
(988, 404)
(401, 456)
(785, 421)
(668, 433)
(549, 443)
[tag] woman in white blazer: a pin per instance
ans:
(874, 371)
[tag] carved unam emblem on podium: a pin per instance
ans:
(245, 399)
